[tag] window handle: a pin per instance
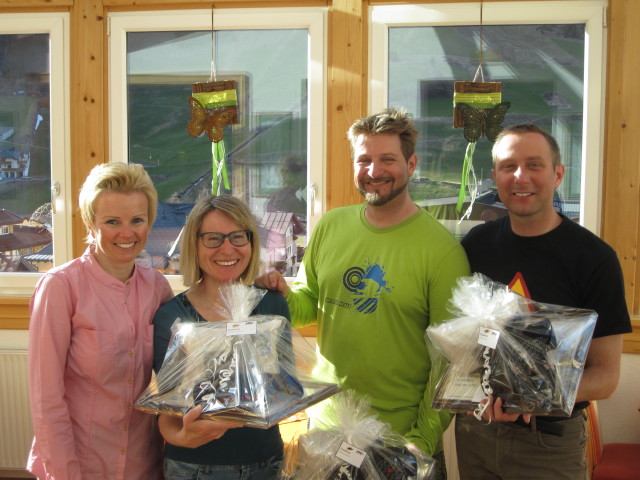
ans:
(55, 192)
(314, 193)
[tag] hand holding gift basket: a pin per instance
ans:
(529, 354)
(348, 442)
(254, 370)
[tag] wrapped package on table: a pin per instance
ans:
(529, 354)
(348, 442)
(254, 370)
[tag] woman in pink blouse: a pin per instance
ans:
(91, 341)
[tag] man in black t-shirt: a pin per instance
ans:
(544, 256)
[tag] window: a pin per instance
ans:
(34, 203)
(548, 57)
(273, 156)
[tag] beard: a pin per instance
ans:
(375, 199)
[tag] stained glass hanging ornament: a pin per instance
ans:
(478, 109)
(213, 105)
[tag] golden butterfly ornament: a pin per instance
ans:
(203, 121)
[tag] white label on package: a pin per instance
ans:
(351, 454)
(463, 387)
(241, 328)
(488, 337)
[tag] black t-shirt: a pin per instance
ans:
(567, 266)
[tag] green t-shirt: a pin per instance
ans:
(373, 292)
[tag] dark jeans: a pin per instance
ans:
(266, 470)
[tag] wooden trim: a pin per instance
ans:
(621, 182)
(413, 2)
(14, 314)
(347, 93)
(90, 135)
(34, 5)
(186, 4)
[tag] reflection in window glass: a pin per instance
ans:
(266, 151)
(541, 68)
(25, 154)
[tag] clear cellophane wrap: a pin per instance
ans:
(348, 442)
(252, 369)
(530, 354)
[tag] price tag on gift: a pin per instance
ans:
(488, 337)
(350, 454)
(241, 328)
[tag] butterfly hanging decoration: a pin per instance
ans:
(482, 121)
(213, 106)
(211, 123)
(479, 110)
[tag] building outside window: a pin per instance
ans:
(34, 214)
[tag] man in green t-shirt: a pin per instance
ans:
(374, 277)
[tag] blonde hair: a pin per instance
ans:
(236, 210)
(115, 177)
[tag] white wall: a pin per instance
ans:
(619, 415)
(13, 339)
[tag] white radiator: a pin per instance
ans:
(16, 431)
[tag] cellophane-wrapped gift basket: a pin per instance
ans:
(348, 442)
(251, 369)
(529, 354)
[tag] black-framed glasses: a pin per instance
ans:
(238, 238)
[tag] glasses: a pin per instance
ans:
(238, 238)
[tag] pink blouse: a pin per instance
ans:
(90, 357)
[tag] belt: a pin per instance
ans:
(547, 424)
(538, 423)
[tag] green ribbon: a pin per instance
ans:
(219, 167)
(223, 98)
(466, 167)
(478, 100)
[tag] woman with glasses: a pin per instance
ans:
(220, 244)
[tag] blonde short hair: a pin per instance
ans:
(115, 177)
(236, 210)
